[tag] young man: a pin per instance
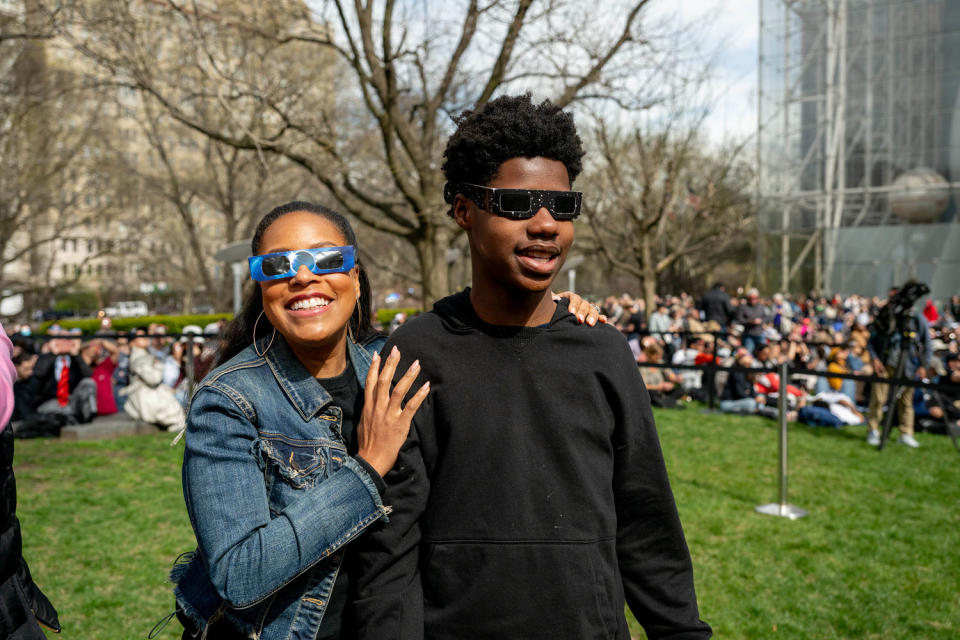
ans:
(531, 499)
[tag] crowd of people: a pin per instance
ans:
(65, 378)
(815, 334)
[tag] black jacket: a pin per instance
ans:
(22, 604)
(531, 499)
(738, 387)
(715, 305)
(44, 381)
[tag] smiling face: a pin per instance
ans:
(518, 256)
(310, 311)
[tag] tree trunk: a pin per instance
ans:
(649, 275)
(432, 253)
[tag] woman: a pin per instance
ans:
(663, 385)
(288, 439)
(282, 467)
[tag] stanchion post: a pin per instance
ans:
(783, 509)
(712, 377)
(191, 368)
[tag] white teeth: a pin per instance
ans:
(309, 303)
(539, 255)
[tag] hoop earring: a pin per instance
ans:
(272, 336)
(349, 330)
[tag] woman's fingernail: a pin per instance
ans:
(394, 352)
(415, 365)
(591, 321)
(375, 358)
(580, 317)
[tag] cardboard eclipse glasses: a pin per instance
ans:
(517, 204)
(272, 266)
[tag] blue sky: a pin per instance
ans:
(729, 30)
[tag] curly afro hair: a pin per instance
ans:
(510, 127)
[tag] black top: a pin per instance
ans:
(44, 382)
(639, 322)
(747, 313)
(738, 387)
(715, 305)
(345, 393)
(531, 498)
(22, 603)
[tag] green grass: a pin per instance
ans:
(878, 556)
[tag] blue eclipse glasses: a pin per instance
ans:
(272, 266)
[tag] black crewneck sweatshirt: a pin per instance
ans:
(531, 498)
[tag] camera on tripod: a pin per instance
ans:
(897, 320)
(896, 316)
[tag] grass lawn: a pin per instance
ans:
(878, 556)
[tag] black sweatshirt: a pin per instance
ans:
(531, 498)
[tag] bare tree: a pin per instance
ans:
(664, 196)
(360, 93)
(216, 193)
(50, 126)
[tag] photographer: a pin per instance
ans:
(897, 328)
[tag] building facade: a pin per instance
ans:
(859, 144)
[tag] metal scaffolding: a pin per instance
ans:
(859, 143)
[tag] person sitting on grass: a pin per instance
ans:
(739, 395)
(531, 497)
(148, 399)
(664, 386)
(100, 355)
(62, 382)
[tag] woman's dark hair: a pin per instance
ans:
(239, 333)
(506, 128)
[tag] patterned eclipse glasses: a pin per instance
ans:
(517, 204)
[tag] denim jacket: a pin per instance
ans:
(272, 495)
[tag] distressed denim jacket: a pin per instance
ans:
(272, 495)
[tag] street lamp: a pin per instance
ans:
(236, 256)
(570, 266)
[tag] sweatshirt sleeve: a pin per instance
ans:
(389, 599)
(651, 549)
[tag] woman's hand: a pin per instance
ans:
(385, 423)
(583, 310)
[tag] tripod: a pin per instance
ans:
(906, 327)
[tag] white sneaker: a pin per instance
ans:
(909, 440)
(873, 438)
